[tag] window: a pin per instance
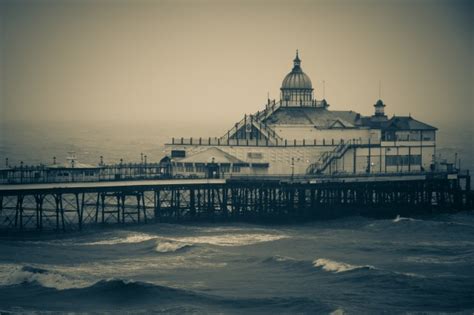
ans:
(393, 160)
(235, 168)
(178, 153)
(225, 168)
(189, 167)
(200, 167)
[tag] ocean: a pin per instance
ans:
(344, 266)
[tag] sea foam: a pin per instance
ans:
(170, 246)
(400, 219)
(45, 278)
(335, 266)
(231, 239)
(129, 239)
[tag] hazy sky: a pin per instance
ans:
(216, 60)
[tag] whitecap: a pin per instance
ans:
(338, 311)
(129, 239)
(169, 246)
(231, 239)
(399, 219)
(45, 278)
(335, 266)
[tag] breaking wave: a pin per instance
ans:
(170, 242)
(400, 219)
(231, 239)
(335, 266)
(170, 246)
(45, 278)
(129, 239)
(117, 294)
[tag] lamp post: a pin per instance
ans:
(292, 168)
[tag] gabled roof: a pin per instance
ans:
(207, 155)
(339, 123)
(406, 123)
(315, 116)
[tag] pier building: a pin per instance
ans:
(301, 135)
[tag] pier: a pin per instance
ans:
(73, 206)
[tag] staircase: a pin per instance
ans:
(257, 121)
(328, 157)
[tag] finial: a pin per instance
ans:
(297, 60)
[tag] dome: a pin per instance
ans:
(297, 79)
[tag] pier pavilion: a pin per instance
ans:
(300, 135)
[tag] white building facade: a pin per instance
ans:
(299, 135)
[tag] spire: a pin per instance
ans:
(296, 61)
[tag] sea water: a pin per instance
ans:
(350, 265)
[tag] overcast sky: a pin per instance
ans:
(216, 60)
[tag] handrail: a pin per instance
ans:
(327, 157)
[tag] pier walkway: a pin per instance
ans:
(72, 206)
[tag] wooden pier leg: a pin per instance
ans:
(145, 217)
(224, 209)
(138, 207)
(178, 205)
(192, 203)
(97, 208)
(199, 204)
(63, 223)
(56, 199)
(119, 209)
(19, 212)
(79, 209)
(157, 206)
(102, 198)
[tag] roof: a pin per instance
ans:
(406, 123)
(297, 79)
(208, 155)
(314, 116)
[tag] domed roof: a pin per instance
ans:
(296, 79)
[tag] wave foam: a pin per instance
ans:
(45, 278)
(399, 219)
(129, 239)
(335, 266)
(231, 239)
(170, 246)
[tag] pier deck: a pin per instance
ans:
(71, 206)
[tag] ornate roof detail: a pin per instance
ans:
(296, 79)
